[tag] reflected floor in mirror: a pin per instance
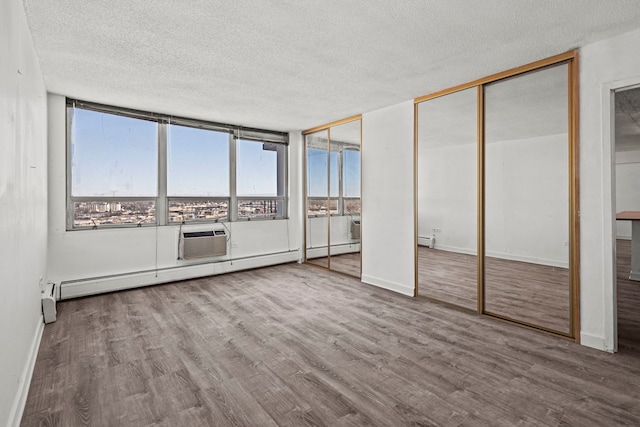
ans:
(448, 276)
(530, 293)
(321, 261)
(344, 263)
(628, 294)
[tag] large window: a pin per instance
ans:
(130, 168)
(260, 179)
(198, 184)
(114, 169)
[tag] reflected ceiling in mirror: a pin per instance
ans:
(532, 104)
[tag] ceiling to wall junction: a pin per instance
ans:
(291, 65)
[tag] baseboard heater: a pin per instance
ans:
(49, 303)
(428, 241)
(203, 244)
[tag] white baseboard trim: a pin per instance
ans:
(15, 417)
(455, 249)
(531, 260)
(98, 285)
(593, 341)
(623, 237)
(385, 284)
(510, 257)
(335, 250)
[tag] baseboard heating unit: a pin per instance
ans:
(428, 241)
(203, 244)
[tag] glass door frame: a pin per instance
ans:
(571, 59)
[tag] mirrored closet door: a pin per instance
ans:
(447, 198)
(497, 196)
(333, 196)
(527, 198)
(318, 200)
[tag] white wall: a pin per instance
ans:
(93, 254)
(388, 229)
(527, 200)
(23, 208)
(627, 194)
(531, 226)
(447, 196)
(606, 65)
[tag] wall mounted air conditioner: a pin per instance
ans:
(355, 229)
(203, 244)
(428, 241)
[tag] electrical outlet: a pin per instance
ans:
(436, 230)
(41, 284)
(234, 245)
(566, 243)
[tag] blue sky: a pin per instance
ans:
(117, 156)
(113, 155)
(197, 162)
(317, 173)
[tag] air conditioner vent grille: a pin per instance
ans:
(203, 244)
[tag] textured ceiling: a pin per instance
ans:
(290, 64)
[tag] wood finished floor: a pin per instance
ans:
(294, 345)
(531, 293)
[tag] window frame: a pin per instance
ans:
(234, 176)
(162, 200)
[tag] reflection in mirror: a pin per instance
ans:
(345, 188)
(318, 202)
(447, 198)
(527, 199)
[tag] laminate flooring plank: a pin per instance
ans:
(296, 345)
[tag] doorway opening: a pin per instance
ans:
(626, 191)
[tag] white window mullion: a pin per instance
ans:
(233, 198)
(161, 199)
